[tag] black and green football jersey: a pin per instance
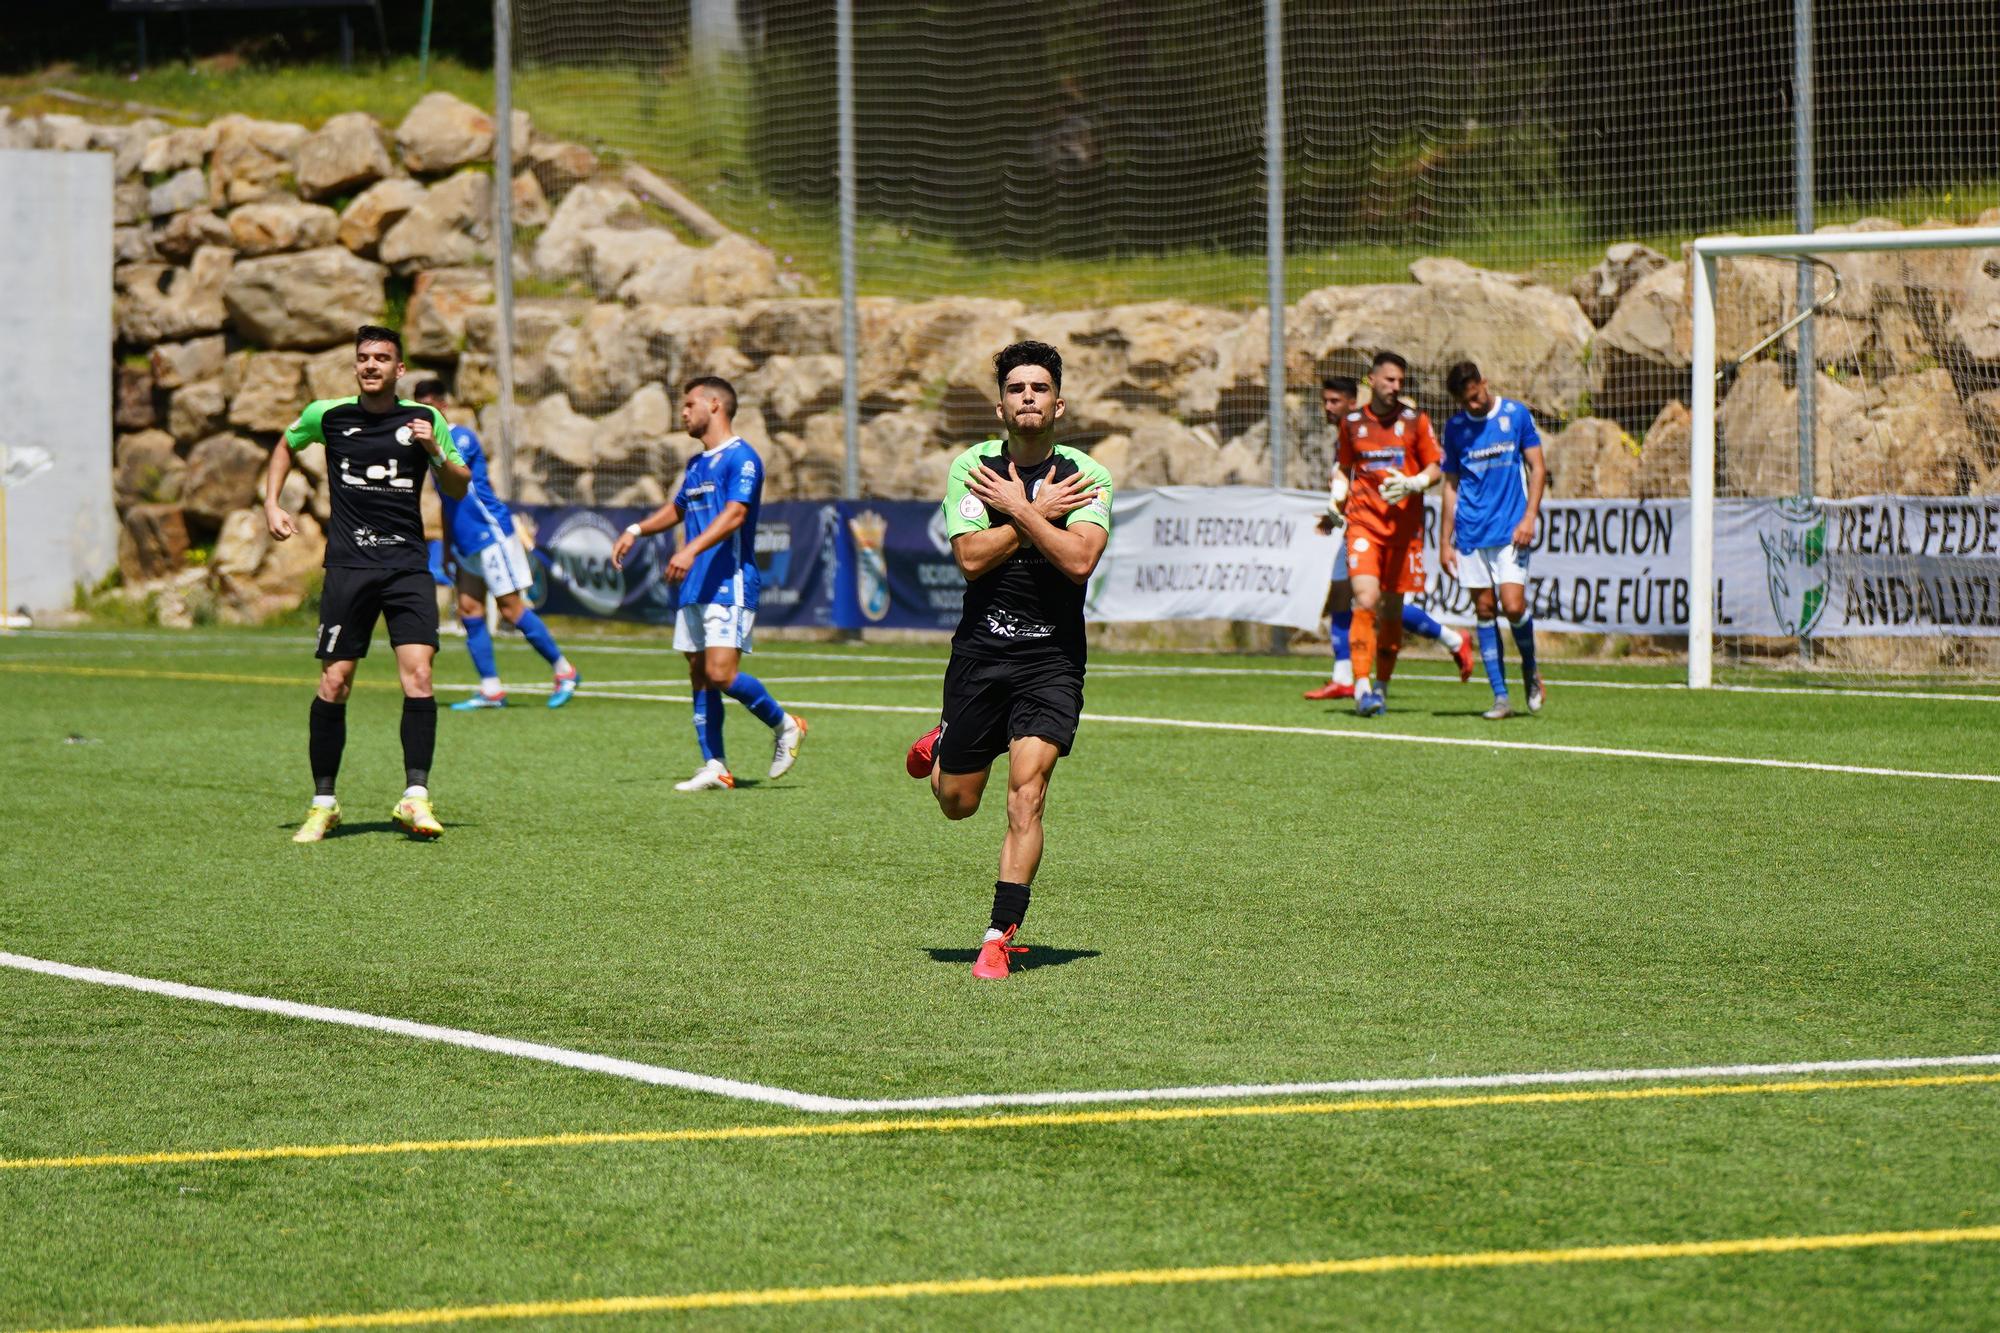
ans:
(375, 473)
(1024, 608)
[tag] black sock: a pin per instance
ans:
(1010, 903)
(420, 733)
(327, 738)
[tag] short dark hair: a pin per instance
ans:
(375, 333)
(1459, 376)
(715, 384)
(428, 389)
(1341, 384)
(1015, 355)
(1388, 359)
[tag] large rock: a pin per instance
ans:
(434, 325)
(531, 205)
(731, 272)
(1639, 361)
(442, 132)
(146, 469)
(344, 154)
(604, 359)
(557, 166)
(560, 249)
(795, 327)
(187, 232)
(1757, 428)
(1665, 456)
(224, 472)
(791, 388)
(272, 393)
(132, 398)
(1624, 265)
(253, 159)
(63, 133)
(281, 224)
(177, 149)
(241, 545)
(181, 191)
(131, 203)
(182, 363)
(307, 300)
(477, 382)
(133, 245)
(152, 542)
(909, 354)
(1913, 438)
(613, 254)
(126, 143)
(375, 210)
(448, 228)
(1592, 458)
(554, 430)
(1164, 452)
(637, 434)
(154, 302)
(256, 577)
(198, 410)
(330, 374)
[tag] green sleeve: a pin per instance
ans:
(447, 447)
(1098, 511)
(963, 511)
(305, 431)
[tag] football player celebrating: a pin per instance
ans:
(377, 564)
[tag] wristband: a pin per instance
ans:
(632, 530)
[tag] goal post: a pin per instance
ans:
(1707, 255)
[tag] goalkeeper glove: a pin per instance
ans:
(1396, 487)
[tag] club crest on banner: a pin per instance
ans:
(1795, 564)
(871, 564)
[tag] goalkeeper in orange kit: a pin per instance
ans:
(1387, 458)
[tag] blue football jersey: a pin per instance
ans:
(726, 573)
(481, 518)
(1489, 454)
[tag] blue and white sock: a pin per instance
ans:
(750, 692)
(1343, 666)
(479, 643)
(1524, 641)
(537, 634)
(1419, 621)
(1490, 653)
(708, 724)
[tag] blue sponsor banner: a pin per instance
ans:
(798, 554)
(900, 570)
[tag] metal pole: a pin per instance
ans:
(1802, 210)
(424, 47)
(503, 229)
(1701, 479)
(1274, 246)
(850, 336)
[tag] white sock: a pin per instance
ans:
(417, 793)
(563, 668)
(992, 934)
(1450, 638)
(1363, 685)
(1343, 672)
(325, 802)
(491, 687)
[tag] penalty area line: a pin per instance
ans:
(739, 1090)
(847, 1293)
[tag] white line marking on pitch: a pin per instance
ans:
(736, 1089)
(1356, 734)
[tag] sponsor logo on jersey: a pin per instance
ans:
(971, 507)
(389, 474)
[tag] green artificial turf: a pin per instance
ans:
(1216, 906)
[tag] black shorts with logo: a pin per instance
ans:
(354, 598)
(990, 703)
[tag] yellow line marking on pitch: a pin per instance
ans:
(1130, 1277)
(148, 673)
(949, 1124)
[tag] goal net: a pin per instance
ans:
(1845, 506)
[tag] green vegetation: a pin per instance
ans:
(1217, 907)
(697, 134)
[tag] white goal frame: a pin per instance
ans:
(1701, 462)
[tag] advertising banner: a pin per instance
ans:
(797, 554)
(904, 576)
(1214, 552)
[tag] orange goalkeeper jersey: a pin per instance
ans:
(1369, 449)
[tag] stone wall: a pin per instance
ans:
(247, 251)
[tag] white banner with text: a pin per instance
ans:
(1825, 568)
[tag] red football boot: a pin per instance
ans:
(923, 755)
(1465, 658)
(991, 965)
(1333, 689)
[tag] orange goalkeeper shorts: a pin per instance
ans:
(1397, 560)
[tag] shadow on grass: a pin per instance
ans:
(1036, 956)
(355, 828)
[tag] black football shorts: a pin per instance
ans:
(352, 600)
(989, 704)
